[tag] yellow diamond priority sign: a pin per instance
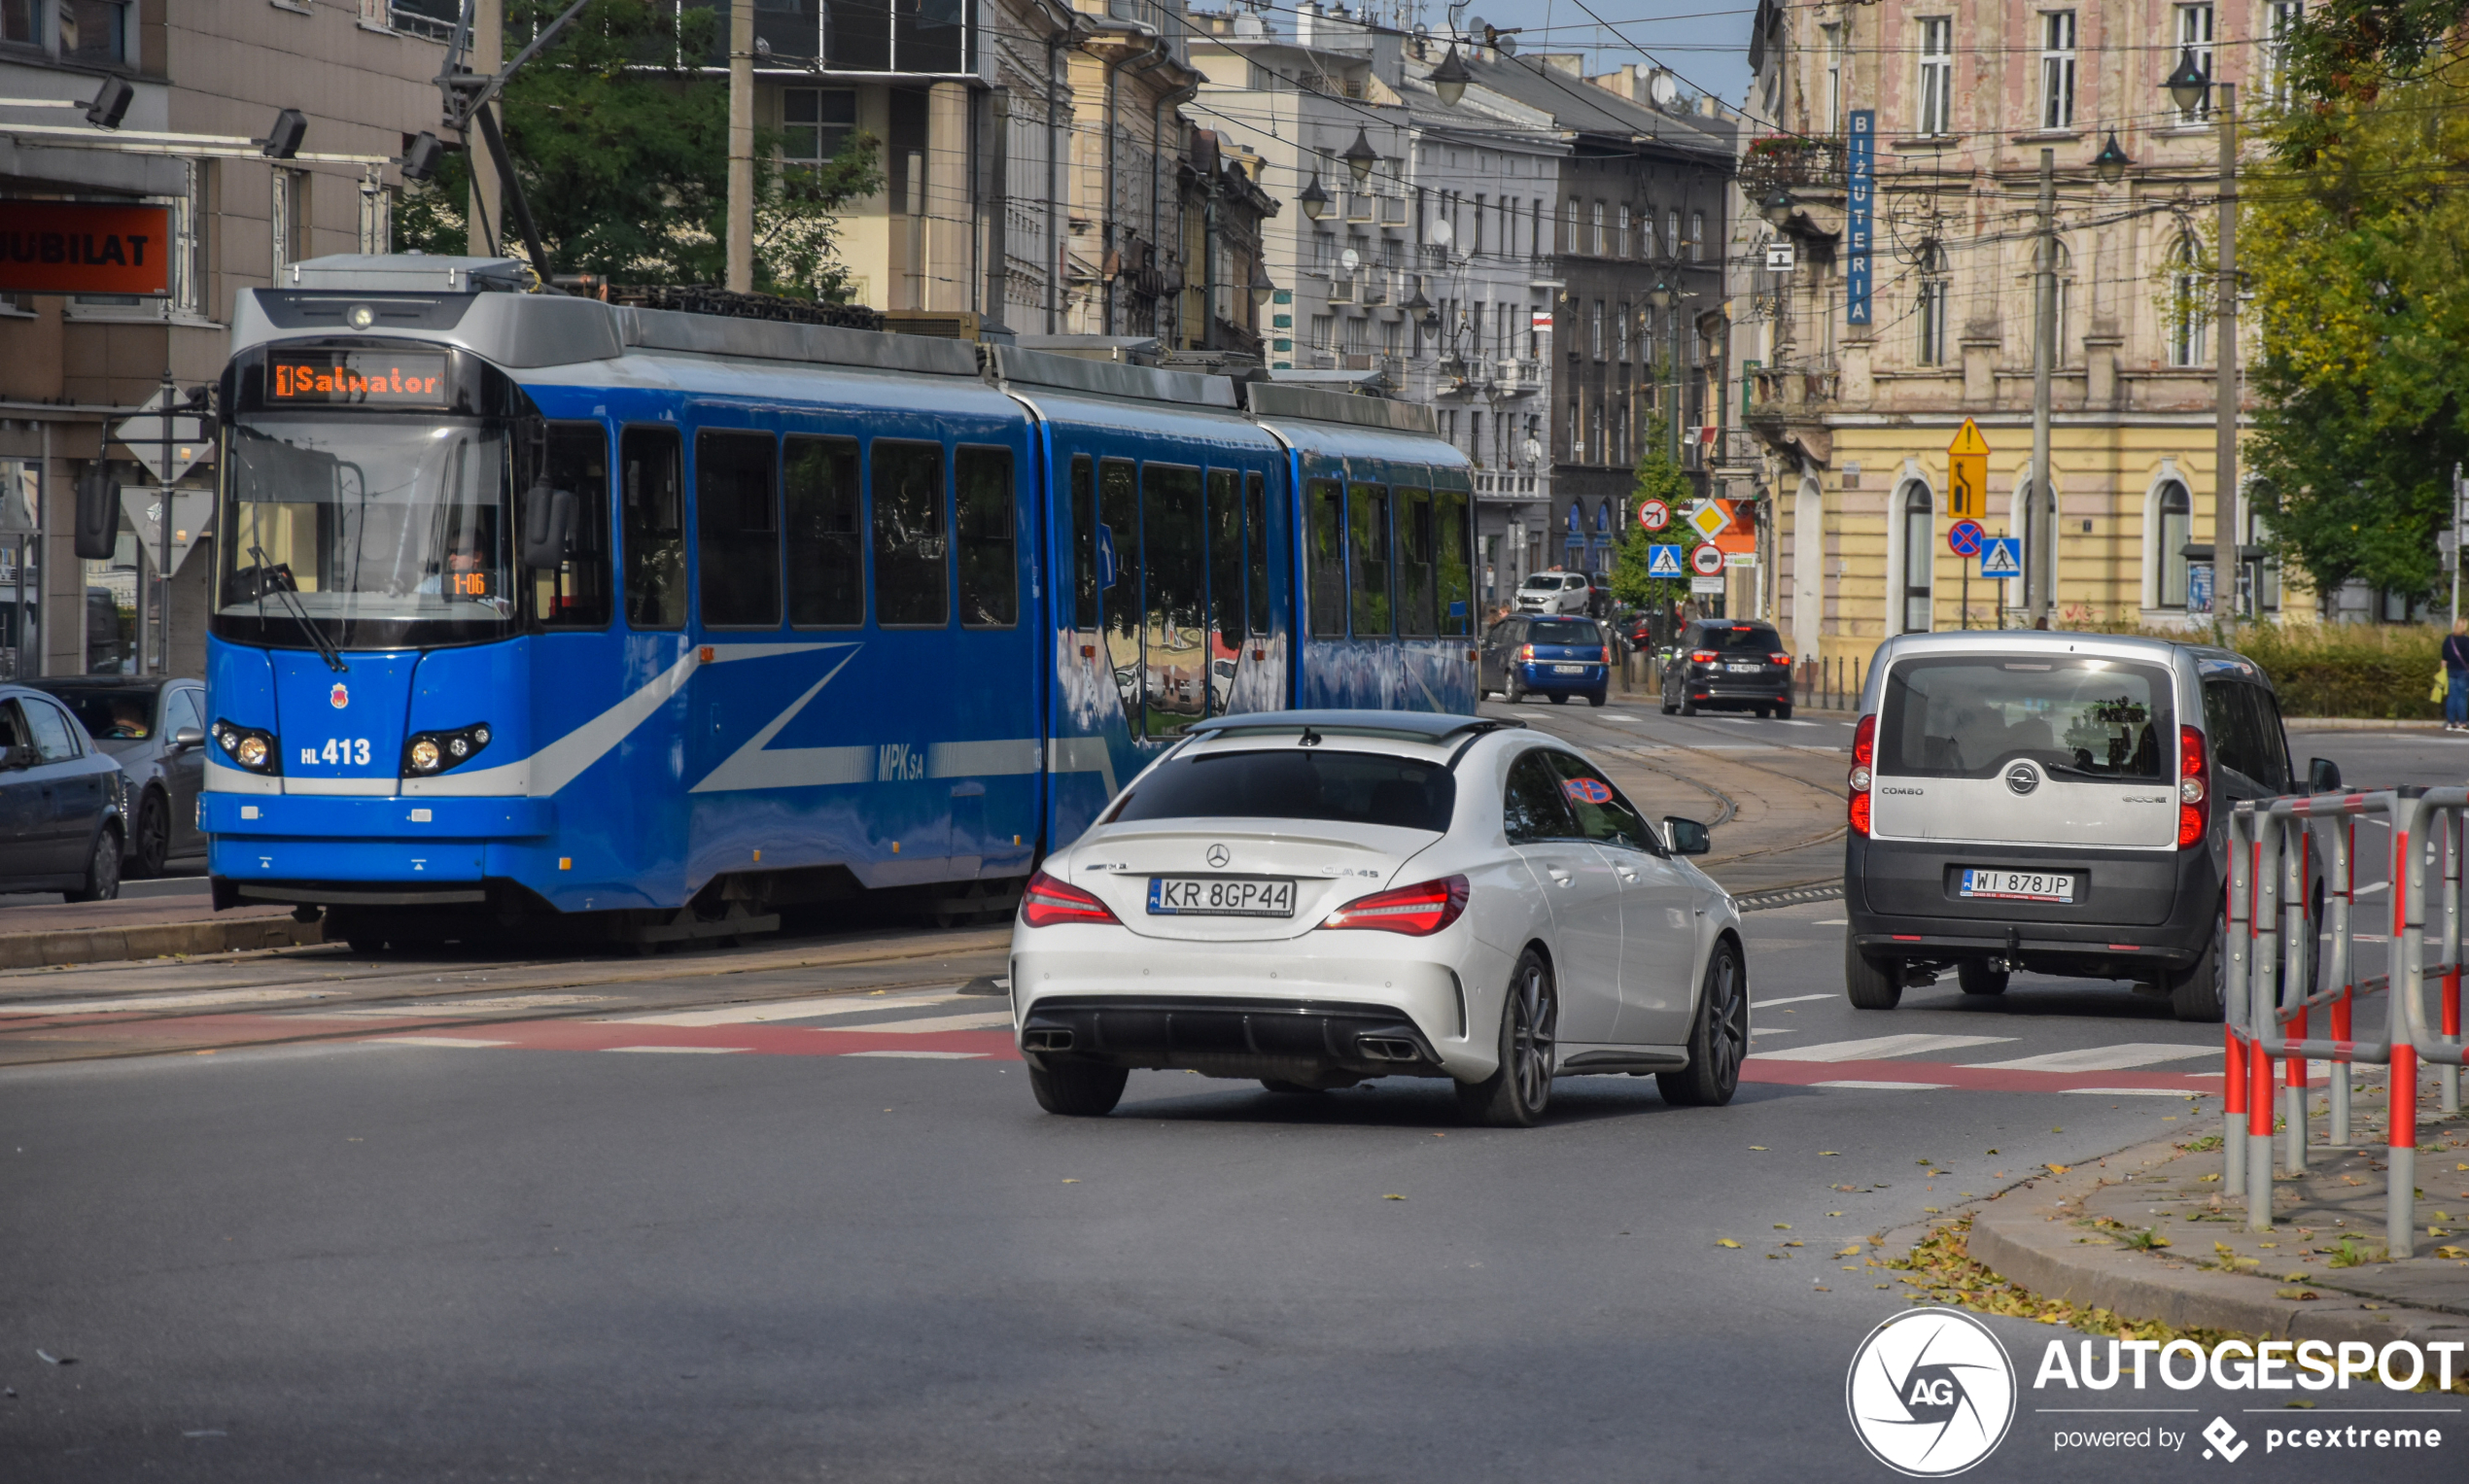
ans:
(1710, 519)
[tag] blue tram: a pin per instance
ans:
(531, 609)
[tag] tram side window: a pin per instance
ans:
(1084, 542)
(1326, 501)
(573, 594)
(911, 588)
(826, 552)
(1226, 561)
(654, 488)
(1368, 520)
(1174, 642)
(989, 567)
(1119, 534)
(737, 525)
(1454, 563)
(1256, 549)
(1414, 562)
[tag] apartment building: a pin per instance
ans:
(73, 364)
(1856, 395)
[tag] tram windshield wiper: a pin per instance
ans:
(316, 638)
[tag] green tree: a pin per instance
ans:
(2353, 233)
(624, 157)
(1656, 477)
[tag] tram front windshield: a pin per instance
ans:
(380, 532)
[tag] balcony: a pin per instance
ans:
(1512, 485)
(1359, 206)
(1785, 394)
(1516, 377)
(1342, 288)
(1393, 213)
(1376, 288)
(1810, 161)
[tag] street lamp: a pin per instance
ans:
(2187, 85)
(283, 140)
(1314, 199)
(1660, 295)
(1777, 207)
(1360, 156)
(2111, 162)
(1451, 77)
(1262, 291)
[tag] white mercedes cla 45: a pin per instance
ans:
(1317, 898)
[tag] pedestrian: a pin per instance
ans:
(2456, 676)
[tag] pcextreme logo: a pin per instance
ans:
(1930, 1393)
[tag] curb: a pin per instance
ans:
(153, 940)
(2355, 724)
(2026, 1237)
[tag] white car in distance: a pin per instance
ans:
(1556, 592)
(1314, 899)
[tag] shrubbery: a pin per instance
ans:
(2382, 670)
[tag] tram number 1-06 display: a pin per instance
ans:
(357, 378)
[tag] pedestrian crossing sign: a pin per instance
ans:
(1664, 562)
(2001, 557)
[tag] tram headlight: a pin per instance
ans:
(248, 747)
(428, 753)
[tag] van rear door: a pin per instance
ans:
(2027, 749)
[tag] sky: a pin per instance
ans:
(1705, 41)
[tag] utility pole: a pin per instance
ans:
(2039, 523)
(742, 146)
(2225, 565)
(171, 395)
(488, 50)
(2457, 493)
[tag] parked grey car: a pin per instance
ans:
(154, 729)
(63, 802)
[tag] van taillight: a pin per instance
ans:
(1526, 654)
(1863, 758)
(2194, 795)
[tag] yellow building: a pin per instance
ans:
(1855, 419)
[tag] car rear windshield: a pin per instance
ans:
(1744, 638)
(2079, 718)
(1296, 784)
(1580, 632)
(114, 714)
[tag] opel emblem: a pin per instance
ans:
(2023, 778)
(339, 696)
(1219, 856)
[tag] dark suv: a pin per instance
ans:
(1734, 663)
(64, 802)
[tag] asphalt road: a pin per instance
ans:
(791, 1214)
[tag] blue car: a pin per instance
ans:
(1546, 656)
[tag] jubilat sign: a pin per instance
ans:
(81, 247)
(357, 378)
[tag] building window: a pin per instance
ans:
(1623, 244)
(2176, 524)
(2189, 306)
(1931, 311)
(1937, 75)
(2281, 22)
(92, 32)
(1599, 239)
(1323, 332)
(1672, 232)
(1920, 532)
(290, 227)
(814, 122)
(1621, 333)
(2057, 69)
(1569, 237)
(1697, 237)
(2194, 34)
(1594, 329)
(1834, 43)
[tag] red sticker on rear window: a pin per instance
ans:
(1588, 790)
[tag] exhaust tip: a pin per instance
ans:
(1045, 1040)
(1388, 1049)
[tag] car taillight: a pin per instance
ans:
(1048, 902)
(1606, 652)
(2194, 803)
(1526, 654)
(1863, 758)
(1779, 658)
(1417, 910)
(1701, 656)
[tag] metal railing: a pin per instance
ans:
(2271, 929)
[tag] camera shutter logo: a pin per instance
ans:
(1930, 1393)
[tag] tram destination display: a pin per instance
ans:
(357, 378)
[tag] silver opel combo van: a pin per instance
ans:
(2056, 803)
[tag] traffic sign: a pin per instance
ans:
(143, 435)
(1663, 561)
(1654, 514)
(1965, 538)
(1967, 473)
(1706, 562)
(1711, 519)
(1701, 586)
(2001, 557)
